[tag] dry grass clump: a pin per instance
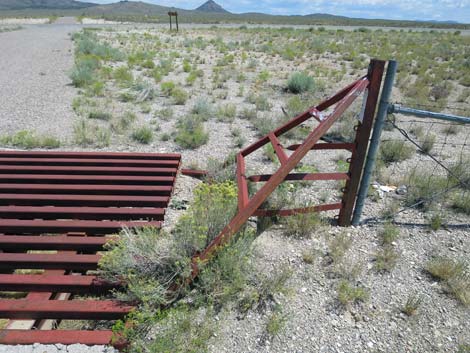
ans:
(454, 274)
(29, 139)
(412, 305)
(349, 293)
(395, 151)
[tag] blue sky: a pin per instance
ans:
(454, 10)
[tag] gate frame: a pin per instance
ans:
(248, 207)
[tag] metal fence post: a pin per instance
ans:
(375, 140)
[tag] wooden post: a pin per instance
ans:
(173, 14)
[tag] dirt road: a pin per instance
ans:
(35, 91)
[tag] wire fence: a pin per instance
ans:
(423, 173)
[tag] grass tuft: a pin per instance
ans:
(28, 139)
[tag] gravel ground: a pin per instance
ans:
(34, 87)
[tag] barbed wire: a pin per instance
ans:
(454, 180)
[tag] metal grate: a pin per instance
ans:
(57, 210)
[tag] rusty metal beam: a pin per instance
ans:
(55, 283)
(11, 261)
(11, 188)
(82, 213)
(327, 146)
(16, 226)
(27, 337)
(363, 132)
(83, 200)
(63, 309)
(302, 177)
(294, 211)
(86, 179)
(19, 243)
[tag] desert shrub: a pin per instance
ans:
(386, 258)
(302, 224)
(338, 246)
(191, 133)
(86, 134)
(261, 103)
(451, 129)
(276, 323)
(461, 170)
(222, 170)
(436, 222)
(167, 87)
(424, 189)
(28, 139)
(264, 125)
(143, 134)
(295, 106)
(454, 274)
(213, 207)
(99, 115)
(95, 89)
(427, 143)
(203, 108)
(349, 294)
(395, 151)
(87, 43)
(165, 113)
(226, 112)
(126, 96)
(249, 114)
(123, 76)
(149, 253)
(83, 72)
(412, 304)
(123, 122)
(389, 233)
(444, 268)
(179, 95)
(300, 82)
(461, 202)
(181, 329)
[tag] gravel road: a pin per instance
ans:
(35, 89)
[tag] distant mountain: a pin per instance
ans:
(128, 8)
(211, 6)
(43, 4)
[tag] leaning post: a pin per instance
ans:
(375, 140)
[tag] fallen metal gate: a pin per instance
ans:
(247, 207)
(56, 210)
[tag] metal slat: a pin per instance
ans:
(87, 179)
(63, 309)
(83, 200)
(85, 189)
(26, 337)
(81, 155)
(4, 169)
(11, 261)
(90, 162)
(82, 213)
(52, 242)
(54, 283)
(16, 226)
